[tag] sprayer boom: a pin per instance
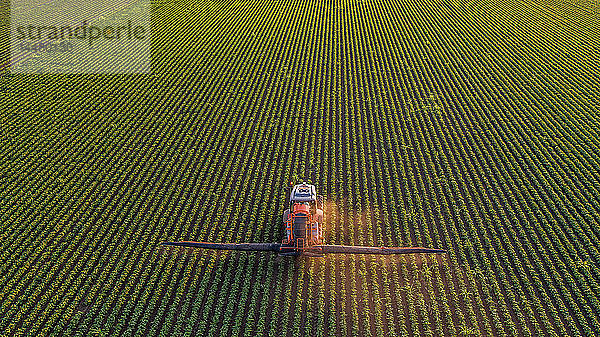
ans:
(303, 233)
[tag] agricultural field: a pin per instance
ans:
(472, 126)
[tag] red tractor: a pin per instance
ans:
(303, 233)
(302, 221)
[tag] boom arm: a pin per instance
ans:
(335, 249)
(275, 247)
(321, 249)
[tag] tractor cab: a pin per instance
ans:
(303, 193)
